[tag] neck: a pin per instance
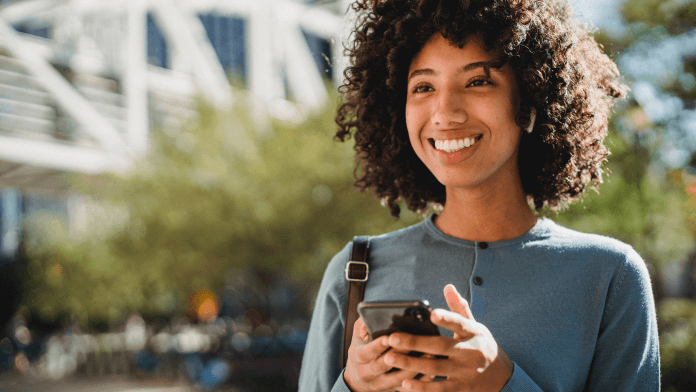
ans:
(493, 215)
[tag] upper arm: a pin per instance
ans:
(626, 357)
(321, 363)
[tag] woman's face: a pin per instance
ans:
(460, 114)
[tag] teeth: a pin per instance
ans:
(453, 145)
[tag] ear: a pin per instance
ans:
(532, 117)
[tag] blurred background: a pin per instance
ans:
(170, 192)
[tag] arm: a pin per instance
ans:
(627, 356)
(321, 363)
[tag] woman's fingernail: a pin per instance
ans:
(389, 360)
(406, 384)
(394, 339)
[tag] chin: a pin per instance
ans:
(450, 182)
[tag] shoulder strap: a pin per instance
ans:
(357, 270)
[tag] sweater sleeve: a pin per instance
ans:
(627, 354)
(322, 360)
(520, 382)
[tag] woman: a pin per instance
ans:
(485, 109)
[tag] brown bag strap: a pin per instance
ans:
(357, 270)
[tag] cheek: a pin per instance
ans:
(412, 124)
(505, 114)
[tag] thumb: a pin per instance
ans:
(360, 331)
(456, 303)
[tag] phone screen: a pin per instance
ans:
(383, 318)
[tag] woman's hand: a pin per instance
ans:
(366, 370)
(474, 360)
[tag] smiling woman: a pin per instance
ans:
(488, 110)
(455, 97)
(466, 100)
(560, 70)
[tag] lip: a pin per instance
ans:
(456, 135)
(456, 156)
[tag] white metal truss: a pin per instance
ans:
(56, 85)
(105, 43)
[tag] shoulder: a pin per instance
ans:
(383, 243)
(334, 279)
(395, 237)
(592, 245)
(603, 251)
(334, 286)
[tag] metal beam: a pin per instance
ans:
(28, 9)
(304, 77)
(65, 95)
(135, 77)
(59, 156)
(340, 61)
(318, 21)
(263, 67)
(187, 33)
(241, 8)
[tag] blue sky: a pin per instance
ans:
(601, 13)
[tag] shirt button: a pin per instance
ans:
(478, 280)
(483, 245)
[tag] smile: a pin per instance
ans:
(452, 145)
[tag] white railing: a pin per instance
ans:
(95, 37)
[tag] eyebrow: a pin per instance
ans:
(486, 65)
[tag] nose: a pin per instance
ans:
(450, 109)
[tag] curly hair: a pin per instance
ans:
(560, 69)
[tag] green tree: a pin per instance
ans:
(225, 193)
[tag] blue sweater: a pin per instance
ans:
(573, 311)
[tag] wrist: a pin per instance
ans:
(347, 379)
(506, 368)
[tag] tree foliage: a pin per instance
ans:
(225, 193)
(676, 16)
(678, 344)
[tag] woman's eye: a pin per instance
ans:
(422, 88)
(479, 82)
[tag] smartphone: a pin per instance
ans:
(383, 318)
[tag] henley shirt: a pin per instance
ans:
(573, 311)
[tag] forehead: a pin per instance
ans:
(439, 52)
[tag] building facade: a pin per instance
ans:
(82, 83)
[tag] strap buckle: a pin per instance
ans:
(355, 271)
